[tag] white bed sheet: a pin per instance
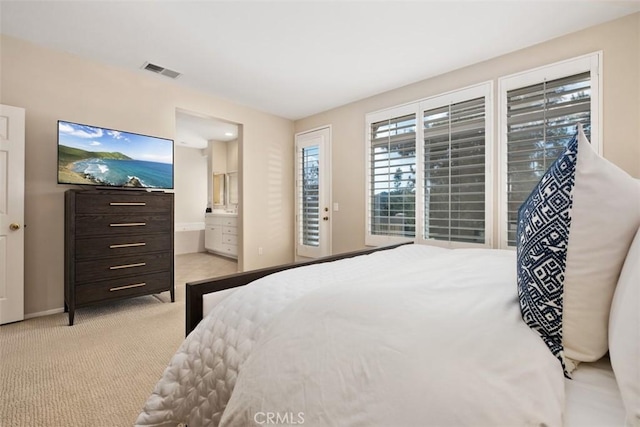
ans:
(592, 398)
(437, 341)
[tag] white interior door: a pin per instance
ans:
(313, 193)
(11, 214)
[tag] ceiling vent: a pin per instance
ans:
(160, 70)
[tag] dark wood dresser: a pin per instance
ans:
(118, 244)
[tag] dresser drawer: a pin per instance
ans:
(229, 239)
(108, 268)
(95, 225)
(123, 203)
(230, 222)
(230, 230)
(231, 250)
(123, 287)
(121, 245)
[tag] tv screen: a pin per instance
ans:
(92, 155)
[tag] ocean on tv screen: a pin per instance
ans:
(93, 155)
(125, 173)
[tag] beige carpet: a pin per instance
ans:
(100, 371)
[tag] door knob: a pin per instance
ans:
(14, 226)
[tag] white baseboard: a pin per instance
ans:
(44, 313)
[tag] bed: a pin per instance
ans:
(423, 335)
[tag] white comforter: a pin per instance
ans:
(416, 335)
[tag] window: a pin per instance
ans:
(429, 162)
(392, 198)
(428, 170)
(309, 205)
(541, 109)
(454, 172)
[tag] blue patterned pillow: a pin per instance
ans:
(542, 237)
(574, 231)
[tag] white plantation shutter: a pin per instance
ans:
(428, 170)
(455, 172)
(392, 165)
(309, 203)
(432, 181)
(541, 119)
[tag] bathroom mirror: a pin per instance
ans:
(219, 189)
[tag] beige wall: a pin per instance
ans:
(52, 85)
(620, 42)
(218, 151)
(190, 183)
(232, 156)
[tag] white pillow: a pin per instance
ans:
(624, 333)
(604, 219)
(574, 231)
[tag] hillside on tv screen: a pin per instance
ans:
(92, 155)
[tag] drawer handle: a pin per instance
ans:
(128, 204)
(135, 285)
(128, 224)
(118, 267)
(127, 245)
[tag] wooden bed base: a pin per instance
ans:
(196, 290)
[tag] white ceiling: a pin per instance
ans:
(295, 59)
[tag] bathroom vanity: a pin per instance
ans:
(221, 233)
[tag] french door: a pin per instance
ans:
(313, 193)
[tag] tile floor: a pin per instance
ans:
(202, 265)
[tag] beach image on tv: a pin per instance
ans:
(97, 156)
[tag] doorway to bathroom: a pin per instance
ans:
(207, 185)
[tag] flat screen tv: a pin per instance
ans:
(91, 155)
